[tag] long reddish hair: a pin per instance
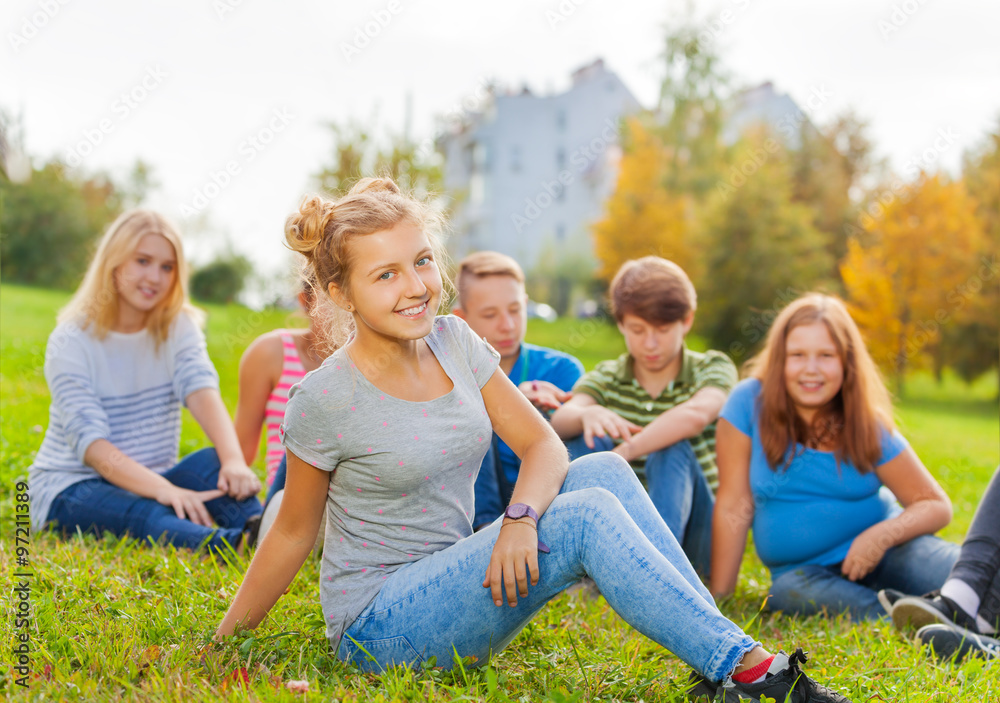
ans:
(855, 418)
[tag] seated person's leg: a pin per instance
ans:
(98, 506)
(278, 484)
(577, 447)
(810, 589)
(199, 471)
(680, 492)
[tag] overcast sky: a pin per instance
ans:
(194, 86)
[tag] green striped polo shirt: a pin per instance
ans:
(612, 384)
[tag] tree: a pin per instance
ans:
(642, 217)
(356, 154)
(222, 280)
(906, 276)
(761, 250)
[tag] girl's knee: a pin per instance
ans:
(603, 469)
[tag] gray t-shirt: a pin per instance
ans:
(403, 471)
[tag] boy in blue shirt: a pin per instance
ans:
(493, 301)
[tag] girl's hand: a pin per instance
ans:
(544, 395)
(598, 421)
(236, 479)
(188, 504)
(514, 555)
(866, 552)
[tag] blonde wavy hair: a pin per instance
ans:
(95, 303)
(321, 230)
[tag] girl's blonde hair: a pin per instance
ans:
(856, 417)
(95, 302)
(322, 228)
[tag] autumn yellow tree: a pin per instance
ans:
(642, 217)
(904, 274)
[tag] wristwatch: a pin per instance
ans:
(516, 511)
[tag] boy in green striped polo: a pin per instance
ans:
(657, 404)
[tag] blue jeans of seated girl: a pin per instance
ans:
(602, 525)
(96, 505)
(679, 490)
(915, 567)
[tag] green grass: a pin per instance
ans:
(119, 620)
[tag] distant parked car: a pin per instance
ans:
(541, 311)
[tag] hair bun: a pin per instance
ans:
(374, 185)
(304, 229)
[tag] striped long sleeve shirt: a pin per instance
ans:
(120, 388)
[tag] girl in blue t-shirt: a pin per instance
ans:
(809, 456)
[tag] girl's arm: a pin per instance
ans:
(260, 369)
(734, 507)
(235, 477)
(127, 473)
(543, 469)
(284, 548)
(926, 509)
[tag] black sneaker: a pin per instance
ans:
(700, 689)
(948, 642)
(786, 685)
(917, 611)
(888, 597)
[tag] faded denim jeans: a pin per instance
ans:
(602, 525)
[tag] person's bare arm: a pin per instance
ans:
(582, 415)
(683, 421)
(734, 507)
(283, 549)
(926, 509)
(260, 369)
(235, 477)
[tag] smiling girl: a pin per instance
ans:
(126, 354)
(809, 456)
(386, 438)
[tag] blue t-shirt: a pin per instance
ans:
(810, 511)
(536, 363)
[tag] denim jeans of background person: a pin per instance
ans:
(96, 505)
(677, 486)
(602, 525)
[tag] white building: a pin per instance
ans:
(535, 170)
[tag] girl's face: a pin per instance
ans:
(145, 280)
(395, 284)
(814, 372)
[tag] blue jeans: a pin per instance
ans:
(492, 489)
(680, 492)
(915, 567)
(602, 525)
(279, 480)
(96, 505)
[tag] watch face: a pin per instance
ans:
(518, 510)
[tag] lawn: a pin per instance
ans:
(116, 620)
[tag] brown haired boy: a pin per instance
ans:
(657, 404)
(493, 301)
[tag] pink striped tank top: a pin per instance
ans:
(292, 372)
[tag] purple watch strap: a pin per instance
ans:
(516, 511)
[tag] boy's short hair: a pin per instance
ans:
(654, 289)
(483, 264)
